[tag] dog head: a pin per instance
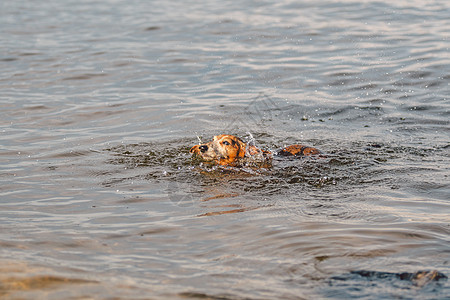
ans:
(224, 149)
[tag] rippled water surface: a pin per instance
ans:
(101, 101)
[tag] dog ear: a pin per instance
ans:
(195, 149)
(241, 147)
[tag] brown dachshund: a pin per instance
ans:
(229, 150)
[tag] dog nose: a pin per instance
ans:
(203, 148)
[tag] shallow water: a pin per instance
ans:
(101, 101)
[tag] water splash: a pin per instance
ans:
(199, 139)
(251, 139)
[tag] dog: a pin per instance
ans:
(229, 150)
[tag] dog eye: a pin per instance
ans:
(226, 143)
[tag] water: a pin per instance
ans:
(101, 101)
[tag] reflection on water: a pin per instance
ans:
(101, 101)
(21, 280)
